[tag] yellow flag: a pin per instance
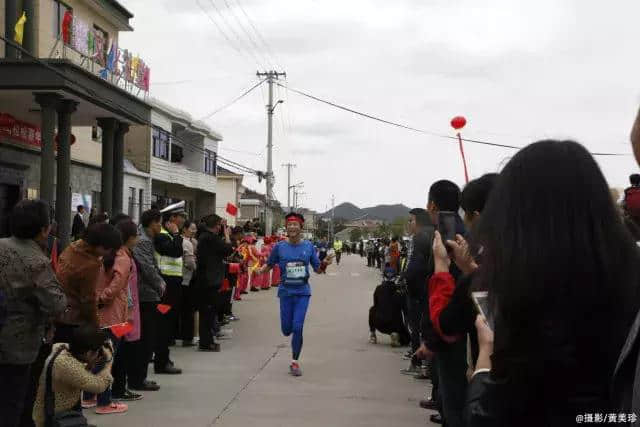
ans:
(20, 28)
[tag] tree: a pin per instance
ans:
(398, 226)
(355, 234)
(382, 232)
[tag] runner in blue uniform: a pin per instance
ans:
(294, 256)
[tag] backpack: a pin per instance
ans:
(632, 201)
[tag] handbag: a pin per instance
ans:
(70, 418)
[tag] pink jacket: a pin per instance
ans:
(112, 290)
(134, 310)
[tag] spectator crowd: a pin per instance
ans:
(79, 327)
(517, 297)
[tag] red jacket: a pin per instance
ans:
(441, 287)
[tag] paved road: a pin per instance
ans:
(346, 381)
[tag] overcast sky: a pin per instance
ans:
(519, 71)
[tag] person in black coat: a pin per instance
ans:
(214, 245)
(562, 275)
(78, 227)
(419, 268)
(386, 313)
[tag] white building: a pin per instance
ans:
(181, 155)
(229, 190)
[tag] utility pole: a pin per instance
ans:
(333, 208)
(289, 166)
(270, 76)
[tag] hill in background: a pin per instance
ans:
(349, 212)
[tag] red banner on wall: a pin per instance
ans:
(22, 132)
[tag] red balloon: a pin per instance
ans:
(458, 122)
(6, 120)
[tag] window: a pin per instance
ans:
(160, 143)
(100, 47)
(176, 153)
(132, 201)
(59, 9)
(141, 206)
(96, 133)
(32, 193)
(210, 162)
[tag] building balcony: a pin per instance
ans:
(177, 173)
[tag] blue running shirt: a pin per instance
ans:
(294, 261)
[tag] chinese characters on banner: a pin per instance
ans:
(133, 70)
(22, 132)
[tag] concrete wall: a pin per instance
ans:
(138, 146)
(205, 204)
(84, 179)
(132, 207)
(227, 192)
(85, 149)
(193, 150)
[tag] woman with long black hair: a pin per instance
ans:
(562, 273)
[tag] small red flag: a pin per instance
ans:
(121, 329)
(232, 209)
(163, 308)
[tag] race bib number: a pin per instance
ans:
(296, 272)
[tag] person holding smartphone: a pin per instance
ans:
(294, 256)
(562, 276)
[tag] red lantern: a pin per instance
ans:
(6, 120)
(73, 139)
(458, 122)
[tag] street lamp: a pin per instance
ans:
(280, 101)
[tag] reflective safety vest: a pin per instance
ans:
(337, 245)
(169, 266)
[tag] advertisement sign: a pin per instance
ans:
(80, 199)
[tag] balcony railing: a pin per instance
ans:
(87, 47)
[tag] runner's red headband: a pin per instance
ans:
(295, 219)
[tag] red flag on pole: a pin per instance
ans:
(232, 209)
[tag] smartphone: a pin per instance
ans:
(481, 300)
(447, 225)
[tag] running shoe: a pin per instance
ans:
(373, 339)
(113, 408)
(128, 395)
(295, 370)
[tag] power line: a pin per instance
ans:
(248, 33)
(237, 36)
(242, 151)
(236, 99)
(259, 34)
(403, 126)
(223, 32)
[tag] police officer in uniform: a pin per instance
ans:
(168, 247)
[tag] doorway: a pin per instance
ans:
(9, 196)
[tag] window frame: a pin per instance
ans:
(57, 17)
(160, 147)
(210, 163)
